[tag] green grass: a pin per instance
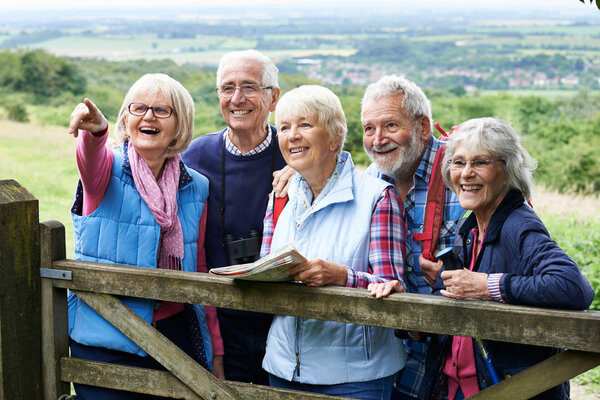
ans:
(42, 159)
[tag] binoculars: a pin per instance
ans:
(244, 250)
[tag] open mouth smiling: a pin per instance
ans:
(470, 188)
(297, 150)
(241, 112)
(149, 130)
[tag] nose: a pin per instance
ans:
(238, 96)
(468, 170)
(149, 116)
(379, 139)
(293, 133)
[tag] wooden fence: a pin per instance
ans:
(33, 319)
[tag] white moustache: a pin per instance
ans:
(385, 148)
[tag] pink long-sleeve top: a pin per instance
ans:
(459, 366)
(94, 163)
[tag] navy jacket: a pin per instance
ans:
(536, 273)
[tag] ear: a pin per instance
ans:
(274, 98)
(424, 128)
(335, 145)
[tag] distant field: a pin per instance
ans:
(202, 50)
(445, 38)
(593, 55)
(545, 93)
(140, 46)
(540, 29)
(211, 58)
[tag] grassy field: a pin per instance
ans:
(202, 49)
(42, 159)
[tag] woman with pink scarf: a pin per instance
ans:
(139, 205)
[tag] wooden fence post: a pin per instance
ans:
(55, 329)
(20, 304)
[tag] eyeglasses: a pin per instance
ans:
(249, 90)
(477, 165)
(140, 109)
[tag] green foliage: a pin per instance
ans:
(45, 75)
(591, 378)
(39, 73)
(592, 1)
(580, 239)
(17, 112)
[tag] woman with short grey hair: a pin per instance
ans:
(348, 225)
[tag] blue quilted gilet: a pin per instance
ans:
(123, 231)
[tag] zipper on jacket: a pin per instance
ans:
(297, 347)
(366, 338)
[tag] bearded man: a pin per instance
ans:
(397, 126)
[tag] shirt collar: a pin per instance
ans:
(426, 165)
(258, 149)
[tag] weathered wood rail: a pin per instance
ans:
(577, 331)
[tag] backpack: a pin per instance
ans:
(434, 205)
(278, 204)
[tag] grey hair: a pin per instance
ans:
(314, 101)
(414, 102)
(177, 97)
(270, 71)
(499, 139)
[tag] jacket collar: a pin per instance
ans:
(184, 177)
(338, 189)
(512, 200)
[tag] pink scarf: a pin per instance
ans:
(161, 199)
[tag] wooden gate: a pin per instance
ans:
(45, 291)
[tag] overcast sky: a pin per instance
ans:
(6, 5)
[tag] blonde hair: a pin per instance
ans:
(177, 97)
(315, 101)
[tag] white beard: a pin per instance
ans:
(407, 157)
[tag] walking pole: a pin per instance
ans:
(488, 361)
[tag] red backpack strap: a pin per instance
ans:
(444, 136)
(434, 209)
(278, 205)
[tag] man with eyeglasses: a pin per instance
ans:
(397, 125)
(239, 162)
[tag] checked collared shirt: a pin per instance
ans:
(410, 378)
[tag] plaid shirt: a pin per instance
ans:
(409, 379)
(386, 236)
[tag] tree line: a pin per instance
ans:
(561, 133)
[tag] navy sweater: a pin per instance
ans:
(247, 186)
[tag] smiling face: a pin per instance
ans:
(391, 139)
(246, 115)
(480, 189)
(149, 135)
(307, 147)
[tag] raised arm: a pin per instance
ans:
(94, 159)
